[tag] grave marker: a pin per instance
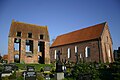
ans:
(30, 73)
(7, 68)
(30, 68)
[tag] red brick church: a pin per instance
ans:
(92, 44)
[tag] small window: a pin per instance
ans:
(16, 46)
(76, 50)
(55, 53)
(109, 53)
(69, 54)
(39, 49)
(28, 48)
(18, 34)
(87, 52)
(41, 36)
(80, 55)
(30, 35)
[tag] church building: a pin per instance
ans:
(92, 44)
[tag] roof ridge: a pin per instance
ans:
(30, 24)
(83, 28)
(84, 34)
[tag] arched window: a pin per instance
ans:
(69, 53)
(87, 52)
(55, 54)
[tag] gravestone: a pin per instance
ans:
(30, 68)
(60, 74)
(47, 68)
(14, 67)
(58, 63)
(7, 68)
(30, 74)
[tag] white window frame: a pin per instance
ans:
(27, 48)
(68, 52)
(55, 54)
(76, 49)
(80, 55)
(86, 52)
(38, 48)
(16, 46)
(109, 53)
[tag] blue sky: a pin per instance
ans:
(61, 16)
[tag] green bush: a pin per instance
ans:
(53, 70)
(20, 78)
(13, 76)
(68, 79)
(83, 69)
(40, 77)
(5, 78)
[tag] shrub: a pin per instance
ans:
(20, 78)
(5, 78)
(40, 77)
(13, 76)
(67, 79)
(85, 69)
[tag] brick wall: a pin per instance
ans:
(10, 49)
(94, 51)
(22, 52)
(106, 45)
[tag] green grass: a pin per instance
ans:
(37, 66)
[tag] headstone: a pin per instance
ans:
(58, 63)
(30, 74)
(60, 74)
(59, 67)
(47, 68)
(30, 68)
(14, 67)
(7, 68)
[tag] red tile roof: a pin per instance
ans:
(89, 33)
